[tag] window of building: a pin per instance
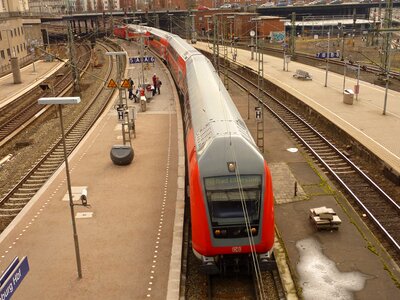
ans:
(3, 56)
(11, 33)
(19, 32)
(15, 31)
(18, 48)
(9, 52)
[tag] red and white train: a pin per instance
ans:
(230, 186)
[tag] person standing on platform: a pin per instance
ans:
(158, 85)
(154, 83)
(130, 88)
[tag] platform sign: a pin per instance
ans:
(112, 84)
(258, 113)
(125, 84)
(120, 113)
(138, 59)
(12, 277)
(325, 55)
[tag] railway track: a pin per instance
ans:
(382, 211)
(12, 202)
(242, 286)
(23, 110)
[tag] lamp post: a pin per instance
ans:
(231, 22)
(60, 101)
(327, 61)
(256, 46)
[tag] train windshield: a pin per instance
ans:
(226, 196)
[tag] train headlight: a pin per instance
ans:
(253, 231)
(231, 166)
(217, 232)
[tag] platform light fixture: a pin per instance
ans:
(60, 101)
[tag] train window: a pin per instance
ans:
(228, 197)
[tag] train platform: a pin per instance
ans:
(31, 76)
(363, 120)
(130, 236)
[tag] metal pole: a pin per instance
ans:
(141, 55)
(344, 75)
(252, 48)
(342, 54)
(256, 41)
(71, 203)
(327, 61)
(284, 57)
(358, 81)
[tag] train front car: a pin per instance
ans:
(230, 183)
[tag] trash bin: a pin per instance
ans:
(348, 96)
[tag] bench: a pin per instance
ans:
(300, 74)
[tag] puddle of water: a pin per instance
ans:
(319, 277)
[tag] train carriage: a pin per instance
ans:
(230, 185)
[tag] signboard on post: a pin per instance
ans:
(12, 277)
(138, 59)
(120, 113)
(325, 54)
(258, 113)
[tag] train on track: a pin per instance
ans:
(230, 186)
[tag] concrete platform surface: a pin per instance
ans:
(30, 76)
(127, 236)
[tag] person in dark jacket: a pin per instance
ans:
(158, 85)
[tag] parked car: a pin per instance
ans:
(282, 3)
(317, 2)
(299, 3)
(202, 7)
(226, 6)
(266, 4)
(336, 2)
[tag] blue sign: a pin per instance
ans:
(325, 55)
(137, 60)
(12, 277)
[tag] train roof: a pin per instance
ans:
(213, 112)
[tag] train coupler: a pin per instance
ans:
(208, 265)
(267, 261)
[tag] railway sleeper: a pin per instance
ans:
(14, 205)
(23, 195)
(53, 158)
(21, 200)
(8, 215)
(43, 172)
(9, 211)
(36, 181)
(32, 185)
(28, 190)
(39, 177)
